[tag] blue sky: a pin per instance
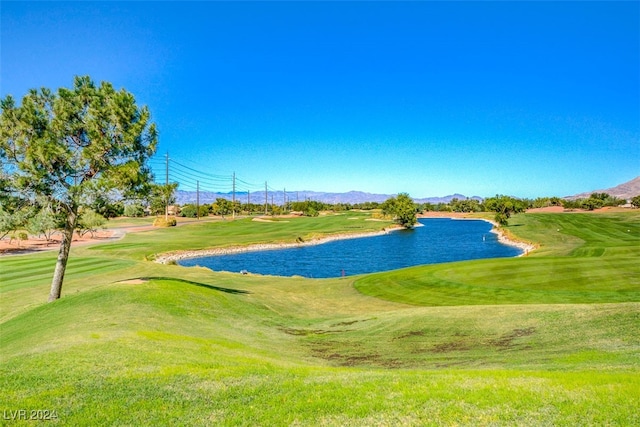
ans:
(430, 98)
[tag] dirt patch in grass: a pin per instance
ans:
(451, 346)
(347, 323)
(507, 341)
(328, 352)
(409, 335)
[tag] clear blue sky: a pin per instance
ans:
(430, 98)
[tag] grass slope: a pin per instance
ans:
(497, 341)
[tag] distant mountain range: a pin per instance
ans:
(626, 191)
(623, 191)
(351, 197)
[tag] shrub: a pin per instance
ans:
(89, 222)
(188, 211)
(161, 222)
(134, 210)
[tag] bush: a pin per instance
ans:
(190, 211)
(591, 204)
(311, 212)
(89, 222)
(161, 222)
(205, 210)
(134, 210)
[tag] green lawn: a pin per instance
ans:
(583, 258)
(548, 339)
(211, 234)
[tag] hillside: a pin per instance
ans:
(626, 190)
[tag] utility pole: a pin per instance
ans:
(233, 206)
(266, 195)
(249, 201)
(166, 182)
(284, 198)
(198, 200)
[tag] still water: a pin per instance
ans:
(439, 240)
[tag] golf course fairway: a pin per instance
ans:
(552, 338)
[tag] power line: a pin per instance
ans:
(190, 178)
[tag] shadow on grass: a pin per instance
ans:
(202, 285)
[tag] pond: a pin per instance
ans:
(438, 240)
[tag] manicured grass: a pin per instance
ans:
(581, 234)
(210, 234)
(129, 222)
(548, 339)
(584, 258)
(172, 352)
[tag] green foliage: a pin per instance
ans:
(89, 222)
(190, 210)
(402, 209)
(366, 206)
(571, 204)
(106, 207)
(555, 201)
(607, 199)
(591, 204)
(44, 223)
(595, 201)
(11, 221)
(134, 210)
(161, 196)
(504, 207)
(68, 144)
(308, 207)
(204, 210)
(222, 207)
(71, 146)
(468, 205)
(252, 208)
(543, 202)
(276, 210)
(502, 218)
(635, 202)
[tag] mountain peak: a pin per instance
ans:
(626, 191)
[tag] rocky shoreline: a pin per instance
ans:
(177, 256)
(502, 238)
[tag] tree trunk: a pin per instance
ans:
(63, 254)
